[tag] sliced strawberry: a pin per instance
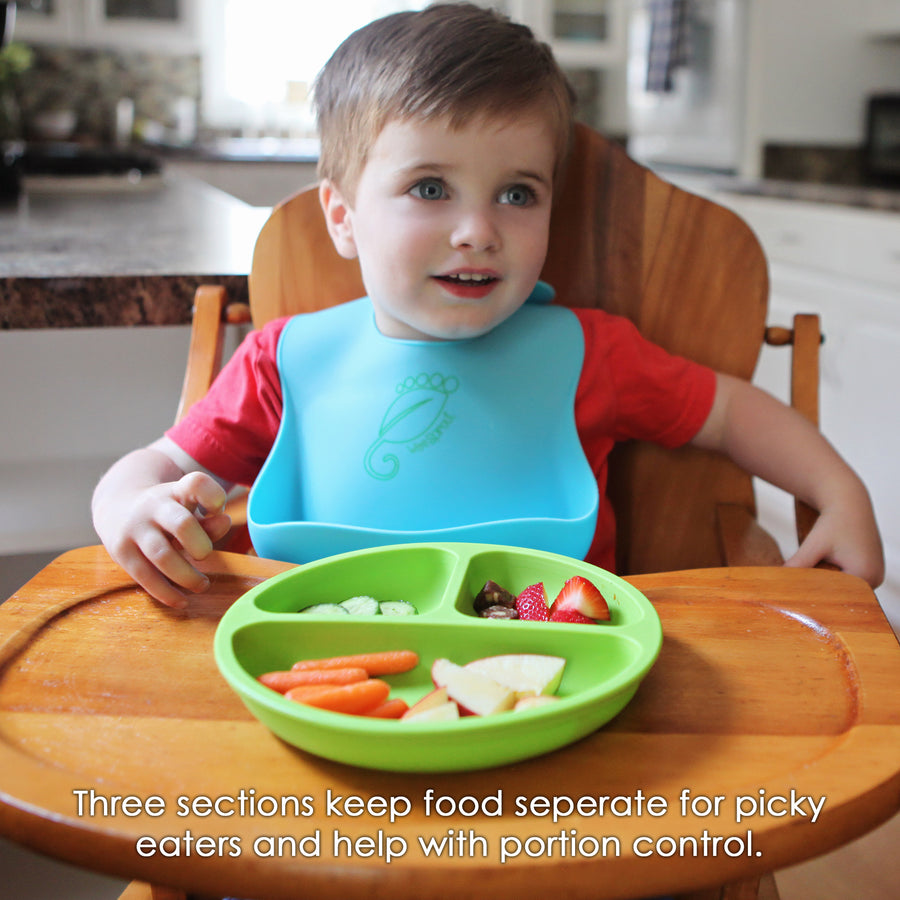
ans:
(531, 604)
(570, 616)
(580, 595)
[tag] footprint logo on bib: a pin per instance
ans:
(416, 418)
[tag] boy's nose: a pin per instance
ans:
(476, 231)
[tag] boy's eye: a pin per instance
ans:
(429, 189)
(517, 195)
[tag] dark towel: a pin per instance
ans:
(669, 42)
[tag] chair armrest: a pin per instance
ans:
(212, 312)
(805, 339)
(205, 349)
(805, 396)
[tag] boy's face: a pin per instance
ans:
(450, 225)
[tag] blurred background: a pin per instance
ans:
(769, 87)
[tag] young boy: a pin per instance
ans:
(443, 136)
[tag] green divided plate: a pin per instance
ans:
(265, 630)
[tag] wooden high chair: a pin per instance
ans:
(689, 273)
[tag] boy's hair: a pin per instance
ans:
(453, 60)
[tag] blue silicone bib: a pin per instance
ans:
(387, 441)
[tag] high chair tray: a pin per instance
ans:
(268, 629)
(769, 680)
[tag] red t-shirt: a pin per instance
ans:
(629, 389)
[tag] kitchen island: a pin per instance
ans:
(77, 252)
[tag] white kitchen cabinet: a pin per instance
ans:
(588, 34)
(844, 265)
(77, 407)
(99, 23)
(852, 242)
(881, 18)
(47, 22)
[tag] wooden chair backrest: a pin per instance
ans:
(690, 274)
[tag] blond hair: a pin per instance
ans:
(451, 60)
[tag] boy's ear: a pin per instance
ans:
(338, 218)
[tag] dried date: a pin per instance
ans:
(492, 595)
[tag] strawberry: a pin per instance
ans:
(531, 604)
(580, 595)
(570, 617)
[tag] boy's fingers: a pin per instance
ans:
(149, 577)
(804, 560)
(171, 563)
(809, 554)
(184, 528)
(216, 526)
(157, 586)
(199, 490)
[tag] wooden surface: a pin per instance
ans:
(769, 679)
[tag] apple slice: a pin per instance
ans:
(476, 694)
(443, 712)
(437, 697)
(534, 702)
(528, 674)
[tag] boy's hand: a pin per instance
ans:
(156, 522)
(773, 441)
(168, 528)
(845, 535)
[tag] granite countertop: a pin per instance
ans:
(83, 253)
(98, 253)
(864, 197)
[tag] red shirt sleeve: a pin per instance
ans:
(231, 430)
(632, 388)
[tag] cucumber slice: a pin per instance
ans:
(361, 606)
(397, 608)
(326, 609)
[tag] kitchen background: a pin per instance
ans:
(764, 107)
(785, 87)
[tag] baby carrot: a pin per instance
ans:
(302, 691)
(284, 681)
(387, 662)
(390, 709)
(356, 699)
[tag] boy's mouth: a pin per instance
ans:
(472, 285)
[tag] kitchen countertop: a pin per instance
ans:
(865, 197)
(113, 253)
(860, 196)
(89, 253)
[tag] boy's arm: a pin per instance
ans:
(773, 441)
(157, 511)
